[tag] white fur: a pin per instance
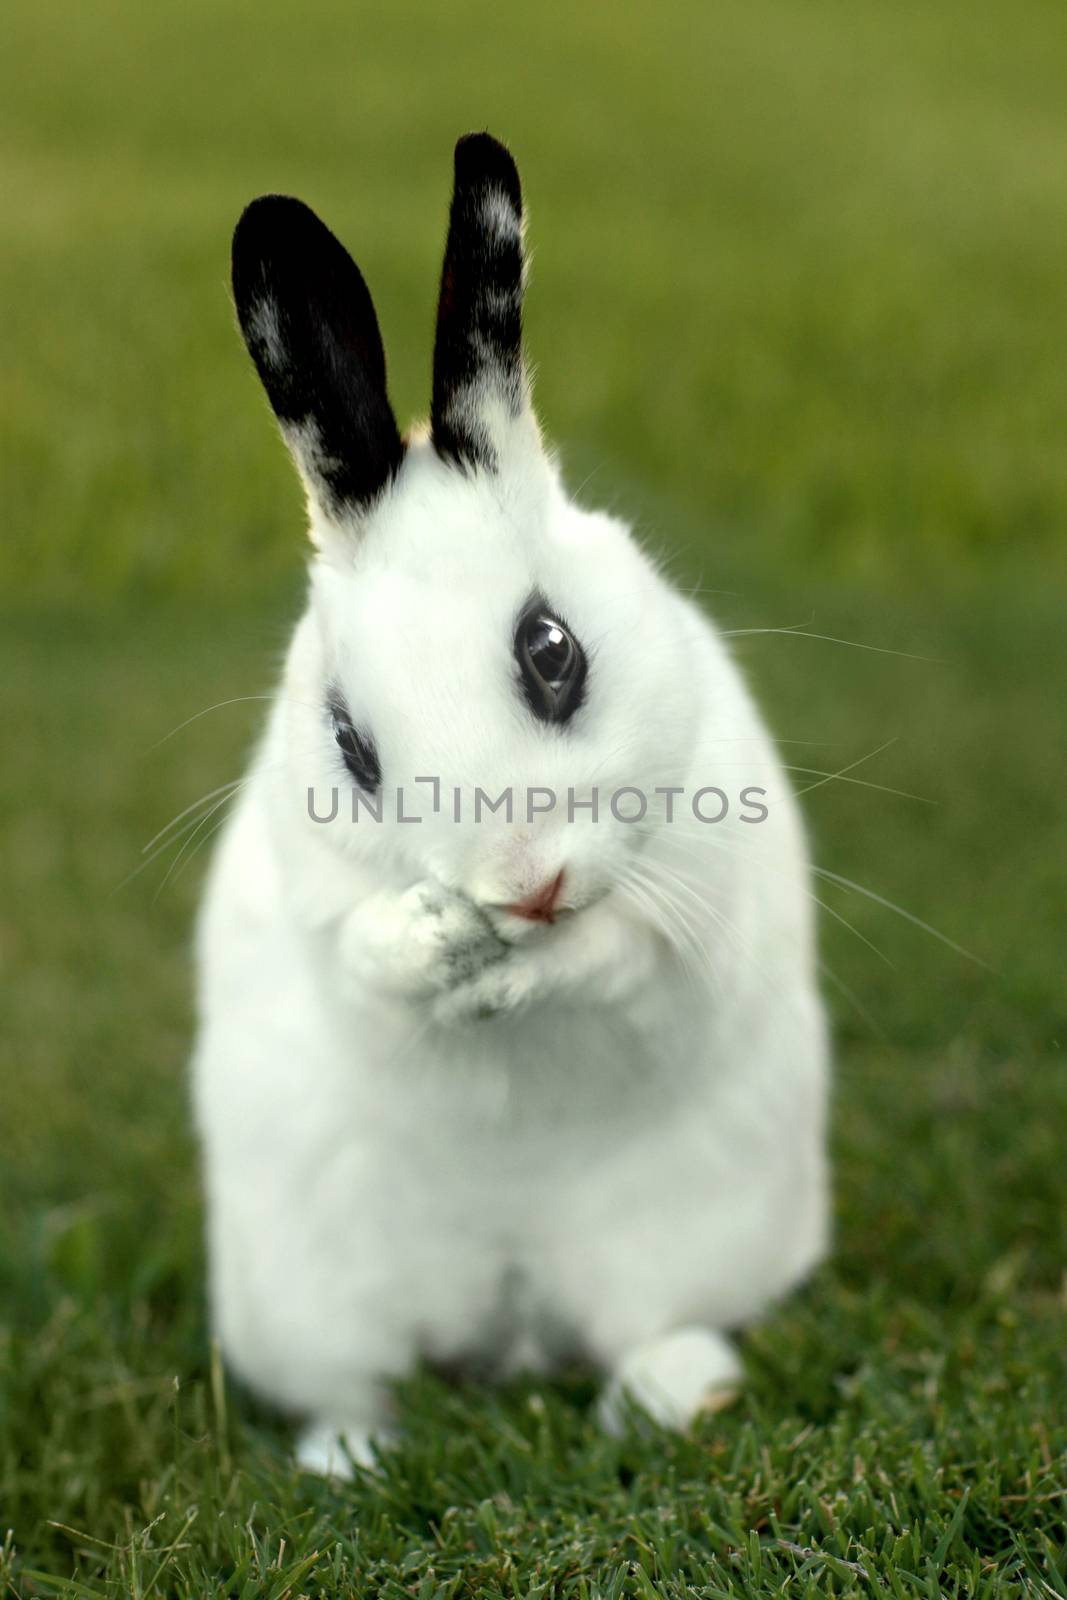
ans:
(432, 1130)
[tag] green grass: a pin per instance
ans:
(799, 306)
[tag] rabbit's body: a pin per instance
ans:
(483, 1091)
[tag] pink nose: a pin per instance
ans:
(539, 906)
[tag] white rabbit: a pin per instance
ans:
(491, 1091)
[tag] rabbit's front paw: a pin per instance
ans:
(426, 941)
(450, 937)
(507, 985)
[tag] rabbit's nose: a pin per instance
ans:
(540, 906)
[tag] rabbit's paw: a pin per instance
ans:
(506, 986)
(428, 940)
(334, 1451)
(449, 937)
(672, 1379)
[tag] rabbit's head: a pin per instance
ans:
(468, 623)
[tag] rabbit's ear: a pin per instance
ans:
(479, 381)
(309, 324)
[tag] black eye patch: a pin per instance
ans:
(552, 664)
(357, 749)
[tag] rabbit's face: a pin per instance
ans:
(485, 663)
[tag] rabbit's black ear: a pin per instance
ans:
(479, 381)
(309, 324)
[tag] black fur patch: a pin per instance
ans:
(478, 348)
(309, 324)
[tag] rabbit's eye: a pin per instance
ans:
(551, 662)
(357, 749)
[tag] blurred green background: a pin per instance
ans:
(798, 308)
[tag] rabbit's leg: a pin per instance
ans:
(425, 941)
(673, 1378)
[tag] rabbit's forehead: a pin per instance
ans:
(421, 593)
(471, 594)
(452, 561)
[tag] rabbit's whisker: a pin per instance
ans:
(829, 638)
(235, 700)
(909, 916)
